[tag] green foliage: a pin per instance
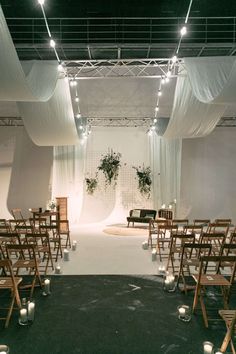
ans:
(144, 180)
(109, 165)
(91, 184)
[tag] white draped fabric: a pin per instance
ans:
(34, 81)
(213, 80)
(166, 166)
(202, 94)
(68, 177)
(51, 123)
(191, 118)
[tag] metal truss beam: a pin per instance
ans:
(152, 68)
(114, 122)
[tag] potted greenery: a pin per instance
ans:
(91, 184)
(109, 165)
(144, 180)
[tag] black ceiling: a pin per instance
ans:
(121, 29)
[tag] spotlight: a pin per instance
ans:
(149, 132)
(154, 120)
(76, 99)
(80, 127)
(156, 108)
(78, 115)
(183, 30)
(60, 68)
(41, 2)
(52, 43)
(174, 59)
(168, 74)
(159, 93)
(153, 127)
(167, 79)
(163, 81)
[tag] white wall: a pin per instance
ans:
(208, 182)
(25, 171)
(112, 204)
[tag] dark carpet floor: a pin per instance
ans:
(112, 315)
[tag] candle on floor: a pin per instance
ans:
(23, 316)
(182, 311)
(207, 347)
(31, 311)
(162, 269)
(58, 269)
(154, 255)
(4, 349)
(145, 245)
(66, 255)
(74, 245)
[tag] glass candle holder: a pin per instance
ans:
(169, 283)
(47, 287)
(23, 314)
(184, 313)
(74, 245)
(31, 310)
(66, 255)
(208, 347)
(4, 349)
(58, 269)
(145, 245)
(162, 270)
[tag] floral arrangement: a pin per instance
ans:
(91, 184)
(144, 180)
(109, 165)
(52, 204)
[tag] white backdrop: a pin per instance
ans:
(208, 187)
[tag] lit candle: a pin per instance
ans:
(74, 245)
(207, 347)
(4, 349)
(58, 269)
(161, 269)
(31, 309)
(23, 315)
(182, 311)
(47, 286)
(163, 206)
(66, 255)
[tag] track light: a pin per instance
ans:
(41, 2)
(163, 81)
(183, 30)
(81, 127)
(156, 108)
(52, 43)
(76, 99)
(174, 59)
(78, 115)
(159, 93)
(73, 83)
(154, 120)
(60, 68)
(168, 74)
(167, 79)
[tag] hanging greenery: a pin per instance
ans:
(91, 184)
(144, 180)
(109, 165)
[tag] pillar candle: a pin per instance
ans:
(66, 255)
(31, 310)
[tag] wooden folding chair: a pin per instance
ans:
(27, 261)
(11, 283)
(217, 240)
(176, 246)
(190, 262)
(164, 235)
(18, 216)
(42, 249)
(64, 230)
(204, 279)
(153, 229)
(229, 316)
(54, 237)
(197, 230)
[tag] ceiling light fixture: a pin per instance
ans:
(174, 59)
(159, 93)
(52, 43)
(76, 99)
(157, 108)
(183, 30)
(41, 2)
(60, 68)
(167, 80)
(163, 81)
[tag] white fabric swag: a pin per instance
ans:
(202, 94)
(34, 81)
(51, 123)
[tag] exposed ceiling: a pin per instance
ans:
(100, 31)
